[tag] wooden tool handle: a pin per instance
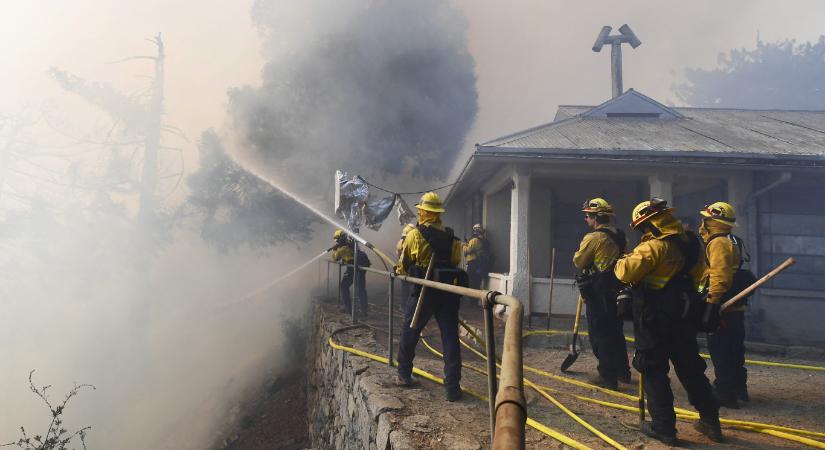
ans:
(788, 263)
(414, 322)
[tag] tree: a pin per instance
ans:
(235, 208)
(782, 75)
(140, 123)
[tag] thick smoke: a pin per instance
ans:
(370, 87)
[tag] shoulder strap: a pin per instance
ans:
(617, 237)
(736, 240)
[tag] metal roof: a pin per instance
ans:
(701, 131)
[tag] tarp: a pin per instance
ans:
(354, 204)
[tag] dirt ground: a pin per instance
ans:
(781, 396)
(787, 397)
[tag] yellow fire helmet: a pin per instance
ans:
(598, 206)
(338, 234)
(407, 228)
(431, 202)
(721, 211)
(647, 209)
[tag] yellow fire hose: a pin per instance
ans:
(529, 383)
(703, 355)
(770, 429)
(774, 430)
(424, 374)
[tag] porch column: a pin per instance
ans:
(740, 187)
(520, 232)
(661, 186)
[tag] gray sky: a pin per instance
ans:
(531, 55)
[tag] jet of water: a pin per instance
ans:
(317, 212)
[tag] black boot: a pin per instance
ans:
(454, 394)
(601, 381)
(710, 428)
(742, 394)
(667, 439)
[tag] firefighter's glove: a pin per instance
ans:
(711, 318)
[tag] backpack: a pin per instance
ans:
(362, 259)
(742, 278)
(485, 257)
(692, 301)
(441, 245)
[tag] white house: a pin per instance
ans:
(527, 189)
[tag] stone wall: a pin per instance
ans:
(354, 404)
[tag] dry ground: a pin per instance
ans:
(782, 396)
(788, 397)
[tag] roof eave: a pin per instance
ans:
(653, 156)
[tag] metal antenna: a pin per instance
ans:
(615, 41)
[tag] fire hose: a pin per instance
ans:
(787, 433)
(765, 428)
(424, 374)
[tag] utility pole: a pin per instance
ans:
(625, 36)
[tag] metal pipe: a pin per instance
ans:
(511, 408)
(490, 347)
(390, 326)
(354, 299)
(616, 68)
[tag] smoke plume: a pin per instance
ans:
(365, 86)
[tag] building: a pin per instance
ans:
(527, 189)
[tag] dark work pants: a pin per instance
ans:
(445, 309)
(361, 295)
(476, 273)
(667, 339)
(727, 351)
(607, 338)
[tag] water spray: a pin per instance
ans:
(317, 212)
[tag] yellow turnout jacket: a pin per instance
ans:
(655, 261)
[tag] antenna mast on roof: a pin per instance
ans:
(626, 36)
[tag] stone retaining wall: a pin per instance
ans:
(354, 404)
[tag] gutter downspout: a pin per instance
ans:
(753, 233)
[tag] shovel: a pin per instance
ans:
(574, 353)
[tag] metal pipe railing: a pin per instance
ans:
(509, 411)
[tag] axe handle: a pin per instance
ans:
(417, 313)
(787, 263)
(576, 323)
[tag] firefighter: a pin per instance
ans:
(342, 252)
(724, 257)
(477, 253)
(430, 239)
(400, 245)
(594, 260)
(405, 287)
(665, 269)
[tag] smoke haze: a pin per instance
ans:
(312, 87)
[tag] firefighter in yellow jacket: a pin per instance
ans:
(594, 261)
(665, 269)
(342, 252)
(430, 239)
(477, 253)
(724, 257)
